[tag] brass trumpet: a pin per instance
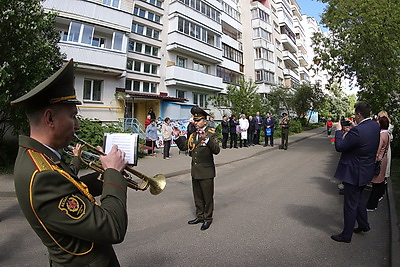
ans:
(156, 183)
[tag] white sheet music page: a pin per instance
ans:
(126, 142)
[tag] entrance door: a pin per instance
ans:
(128, 110)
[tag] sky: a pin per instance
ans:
(312, 8)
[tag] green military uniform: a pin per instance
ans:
(202, 170)
(60, 208)
(285, 124)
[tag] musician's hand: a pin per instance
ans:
(115, 159)
(75, 150)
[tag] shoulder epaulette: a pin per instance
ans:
(41, 161)
(211, 131)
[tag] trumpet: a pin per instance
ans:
(91, 160)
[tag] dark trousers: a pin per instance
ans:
(224, 139)
(151, 145)
(167, 146)
(257, 137)
(270, 138)
(250, 138)
(203, 194)
(378, 190)
(241, 142)
(233, 140)
(285, 138)
(354, 209)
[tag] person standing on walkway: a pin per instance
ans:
(151, 137)
(329, 125)
(356, 169)
(58, 205)
(225, 131)
(244, 126)
(378, 182)
(166, 132)
(233, 123)
(204, 145)
(258, 120)
(285, 124)
(251, 131)
(269, 126)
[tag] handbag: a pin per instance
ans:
(377, 169)
(268, 131)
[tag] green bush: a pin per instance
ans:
(295, 126)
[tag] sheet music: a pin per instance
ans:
(127, 142)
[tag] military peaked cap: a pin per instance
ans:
(198, 113)
(58, 88)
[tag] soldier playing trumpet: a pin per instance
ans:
(203, 144)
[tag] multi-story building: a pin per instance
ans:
(132, 55)
(95, 34)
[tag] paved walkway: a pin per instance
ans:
(179, 163)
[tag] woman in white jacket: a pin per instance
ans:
(166, 131)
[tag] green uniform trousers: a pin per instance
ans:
(203, 193)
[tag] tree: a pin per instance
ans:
(281, 98)
(307, 97)
(241, 98)
(363, 44)
(29, 54)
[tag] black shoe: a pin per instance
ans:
(339, 238)
(361, 229)
(195, 221)
(205, 226)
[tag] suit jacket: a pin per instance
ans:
(203, 166)
(258, 120)
(225, 126)
(270, 123)
(49, 192)
(357, 161)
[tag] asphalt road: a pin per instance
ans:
(275, 209)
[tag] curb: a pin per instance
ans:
(172, 174)
(394, 229)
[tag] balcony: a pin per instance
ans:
(99, 58)
(182, 77)
(288, 43)
(288, 73)
(290, 59)
(302, 60)
(194, 48)
(263, 64)
(95, 13)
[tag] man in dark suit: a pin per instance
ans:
(59, 206)
(258, 120)
(204, 144)
(225, 131)
(356, 169)
(269, 123)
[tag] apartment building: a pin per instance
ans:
(132, 55)
(95, 34)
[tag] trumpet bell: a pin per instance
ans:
(157, 184)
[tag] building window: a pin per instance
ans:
(181, 62)
(113, 3)
(232, 54)
(200, 67)
(199, 99)
(180, 94)
(140, 86)
(140, 29)
(92, 90)
(199, 32)
(204, 8)
(117, 41)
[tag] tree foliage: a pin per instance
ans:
(363, 44)
(28, 55)
(307, 97)
(281, 99)
(241, 98)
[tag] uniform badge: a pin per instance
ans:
(73, 206)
